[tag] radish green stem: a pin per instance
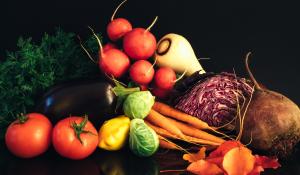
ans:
(181, 76)
(154, 21)
(113, 15)
(151, 67)
(88, 54)
(99, 42)
(257, 86)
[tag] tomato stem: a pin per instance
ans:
(79, 128)
(22, 118)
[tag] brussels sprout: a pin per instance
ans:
(143, 141)
(138, 104)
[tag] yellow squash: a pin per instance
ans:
(114, 133)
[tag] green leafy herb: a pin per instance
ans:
(27, 73)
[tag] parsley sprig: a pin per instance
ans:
(26, 73)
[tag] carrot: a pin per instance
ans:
(181, 116)
(163, 122)
(161, 131)
(190, 131)
(167, 145)
(165, 133)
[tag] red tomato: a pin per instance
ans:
(67, 143)
(31, 138)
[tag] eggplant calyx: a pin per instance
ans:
(121, 91)
(79, 128)
(22, 118)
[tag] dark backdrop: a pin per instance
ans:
(222, 30)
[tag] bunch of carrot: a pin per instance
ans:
(170, 123)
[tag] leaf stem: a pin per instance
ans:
(79, 128)
(22, 118)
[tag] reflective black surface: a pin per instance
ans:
(221, 30)
(112, 163)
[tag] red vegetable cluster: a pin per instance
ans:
(139, 44)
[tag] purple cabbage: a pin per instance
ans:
(214, 99)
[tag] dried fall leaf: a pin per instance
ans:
(224, 148)
(238, 161)
(266, 162)
(202, 167)
(215, 160)
(195, 157)
(256, 170)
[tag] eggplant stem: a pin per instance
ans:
(257, 86)
(113, 15)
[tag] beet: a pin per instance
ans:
(213, 98)
(272, 121)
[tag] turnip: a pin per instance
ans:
(117, 28)
(141, 72)
(176, 52)
(140, 43)
(112, 62)
(272, 121)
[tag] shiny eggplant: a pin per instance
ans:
(81, 97)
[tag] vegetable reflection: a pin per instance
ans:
(125, 163)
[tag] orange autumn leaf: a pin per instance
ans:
(195, 157)
(224, 148)
(202, 167)
(238, 161)
(262, 162)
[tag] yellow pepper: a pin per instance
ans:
(113, 133)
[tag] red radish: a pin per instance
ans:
(109, 46)
(165, 78)
(160, 93)
(141, 72)
(117, 28)
(143, 87)
(140, 44)
(112, 62)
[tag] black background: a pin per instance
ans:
(221, 30)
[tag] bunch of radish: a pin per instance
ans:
(139, 44)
